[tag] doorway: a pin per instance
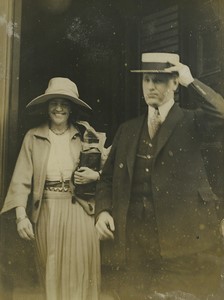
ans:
(95, 43)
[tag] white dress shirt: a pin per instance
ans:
(163, 110)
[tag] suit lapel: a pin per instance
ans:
(173, 118)
(133, 138)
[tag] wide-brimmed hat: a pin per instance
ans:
(59, 87)
(157, 62)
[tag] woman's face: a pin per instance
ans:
(59, 111)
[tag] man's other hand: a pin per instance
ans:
(105, 226)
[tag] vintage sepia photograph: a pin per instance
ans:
(111, 150)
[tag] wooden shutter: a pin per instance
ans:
(160, 31)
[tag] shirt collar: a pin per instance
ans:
(163, 110)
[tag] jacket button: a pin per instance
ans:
(36, 204)
(170, 153)
(121, 165)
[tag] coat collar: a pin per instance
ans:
(43, 131)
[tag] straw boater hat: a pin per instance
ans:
(157, 62)
(60, 87)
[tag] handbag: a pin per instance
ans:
(90, 158)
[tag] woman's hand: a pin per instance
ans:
(25, 228)
(85, 175)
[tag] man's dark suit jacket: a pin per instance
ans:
(185, 205)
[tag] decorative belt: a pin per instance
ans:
(57, 186)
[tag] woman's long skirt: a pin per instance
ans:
(67, 249)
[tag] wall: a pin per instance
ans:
(9, 70)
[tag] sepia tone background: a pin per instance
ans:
(95, 43)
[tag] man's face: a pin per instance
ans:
(158, 88)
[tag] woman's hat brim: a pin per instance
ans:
(47, 97)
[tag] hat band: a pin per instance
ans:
(155, 65)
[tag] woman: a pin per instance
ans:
(64, 234)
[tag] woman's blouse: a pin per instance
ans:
(61, 162)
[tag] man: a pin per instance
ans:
(154, 201)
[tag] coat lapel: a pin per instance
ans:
(173, 118)
(133, 137)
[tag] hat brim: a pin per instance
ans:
(152, 71)
(155, 67)
(47, 97)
